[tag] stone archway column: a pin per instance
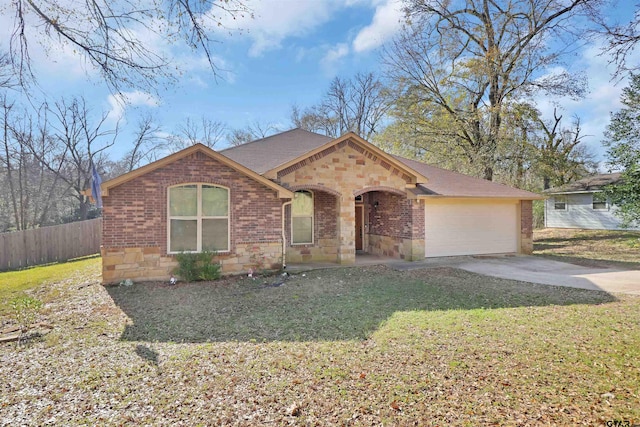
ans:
(347, 229)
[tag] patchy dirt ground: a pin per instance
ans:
(591, 248)
(360, 346)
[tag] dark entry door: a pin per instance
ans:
(359, 227)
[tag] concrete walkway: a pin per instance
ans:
(523, 268)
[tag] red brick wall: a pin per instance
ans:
(395, 216)
(325, 220)
(135, 213)
(526, 218)
(326, 208)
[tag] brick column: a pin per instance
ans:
(347, 230)
(416, 243)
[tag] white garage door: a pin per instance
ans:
(470, 228)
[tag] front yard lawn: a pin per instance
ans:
(14, 283)
(591, 248)
(346, 346)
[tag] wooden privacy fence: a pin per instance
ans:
(50, 244)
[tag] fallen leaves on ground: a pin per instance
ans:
(468, 350)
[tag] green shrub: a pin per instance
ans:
(197, 266)
(25, 309)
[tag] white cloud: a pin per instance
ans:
(595, 108)
(276, 20)
(385, 24)
(334, 54)
(120, 102)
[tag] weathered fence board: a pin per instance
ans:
(50, 244)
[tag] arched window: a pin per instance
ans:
(198, 216)
(302, 218)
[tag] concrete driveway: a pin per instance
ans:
(517, 267)
(539, 270)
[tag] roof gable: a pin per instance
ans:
(370, 151)
(197, 148)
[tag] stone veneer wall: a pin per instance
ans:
(526, 226)
(346, 169)
(135, 221)
(148, 263)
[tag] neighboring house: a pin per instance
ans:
(302, 197)
(582, 204)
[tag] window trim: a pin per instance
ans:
(199, 217)
(312, 216)
(565, 202)
(605, 201)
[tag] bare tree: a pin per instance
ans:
(253, 131)
(208, 132)
(314, 119)
(79, 141)
(7, 76)
(539, 153)
(562, 157)
(204, 131)
(112, 36)
(620, 38)
(7, 160)
(147, 145)
(350, 105)
(240, 136)
(469, 58)
(34, 192)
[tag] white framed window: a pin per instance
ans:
(198, 218)
(560, 203)
(599, 202)
(302, 218)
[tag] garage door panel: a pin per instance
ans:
(470, 228)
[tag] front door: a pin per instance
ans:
(359, 227)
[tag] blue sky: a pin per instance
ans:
(287, 55)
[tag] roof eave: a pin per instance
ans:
(593, 190)
(455, 196)
(283, 193)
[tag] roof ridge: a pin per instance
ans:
(272, 136)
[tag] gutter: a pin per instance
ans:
(284, 235)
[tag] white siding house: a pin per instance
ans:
(582, 204)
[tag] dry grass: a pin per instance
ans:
(360, 346)
(15, 283)
(591, 248)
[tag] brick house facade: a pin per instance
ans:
(364, 200)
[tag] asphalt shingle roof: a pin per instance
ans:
(589, 183)
(443, 182)
(264, 154)
(268, 153)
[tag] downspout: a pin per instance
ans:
(284, 235)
